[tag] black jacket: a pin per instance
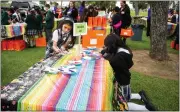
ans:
(49, 20)
(126, 17)
(173, 19)
(116, 18)
(73, 14)
(121, 63)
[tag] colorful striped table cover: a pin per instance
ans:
(90, 89)
(10, 31)
(171, 28)
(12, 92)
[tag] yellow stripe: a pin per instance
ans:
(42, 95)
(37, 96)
(25, 101)
(105, 88)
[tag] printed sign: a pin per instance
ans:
(80, 29)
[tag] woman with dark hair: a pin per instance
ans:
(120, 60)
(31, 29)
(89, 13)
(6, 17)
(126, 17)
(71, 11)
(62, 39)
(81, 8)
(84, 15)
(116, 21)
(39, 18)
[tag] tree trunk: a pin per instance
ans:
(136, 8)
(158, 33)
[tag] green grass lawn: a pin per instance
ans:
(14, 63)
(141, 13)
(163, 93)
(145, 44)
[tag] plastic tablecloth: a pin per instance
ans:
(90, 89)
(10, 31)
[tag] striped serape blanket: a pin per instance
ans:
(90, 89)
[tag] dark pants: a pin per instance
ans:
(177, 35)
(48, 33)
(117, 31)
(148, 28)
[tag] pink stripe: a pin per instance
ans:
(77, 87)
(51, 101)
(94, 102)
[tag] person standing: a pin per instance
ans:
(31, 29)
(81, 9)
(125, 15)
(89, 13)
(16, 16)
(116, 21)
(71, 11)
(6, 17)
(39, 18)
(148, 23)
(49, 19)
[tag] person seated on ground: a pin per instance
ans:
(120, 57)
(62, 39)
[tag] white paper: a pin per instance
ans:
(93, 41)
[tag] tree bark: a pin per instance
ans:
(158, 32)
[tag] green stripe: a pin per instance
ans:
(20, 100)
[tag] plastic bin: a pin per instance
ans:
(138, 30)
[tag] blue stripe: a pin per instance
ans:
(82, 102)
(67, 93)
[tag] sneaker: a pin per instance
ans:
(145, 99)
(143, 95)
(150, 106)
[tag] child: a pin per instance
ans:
(120, 60)
(62, 39)
(120, 57)
(31, 29)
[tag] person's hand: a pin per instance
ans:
(57, 50)
(63, 48)
(122, 12)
